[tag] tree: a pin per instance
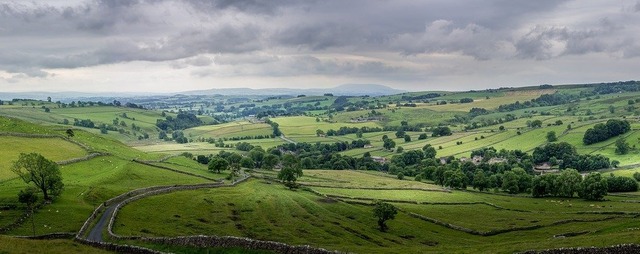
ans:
(247, 162)
(29, 198)
(536, 123)
(389, 144)
(202, 159)
(407, 138)
(568, 183)
(429, 151)
(621, 184)
(70, 133)
(542, 185)
(384, 211)
(455, 179)
(510, 182)
(594, 187)
(257, 155)
(480, 180)
(400, 133)
(290, 171)
(551, 136)
(44, 174)
(234, 160)
(270, 161)
(422, 136)
(622, 147)
(218, 164)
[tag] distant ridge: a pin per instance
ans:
(347, 89)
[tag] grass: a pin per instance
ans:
(26, 246)
(267, 211)
(54, 149)
(227, 130)
(87, 184)
(304, 125)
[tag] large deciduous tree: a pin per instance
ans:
(384, 211)
(218, 164)
(594, 187)
(43, 173)
(290, 171)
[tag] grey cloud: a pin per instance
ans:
(297, 66)
(269, 7)
(321, 36)
(548, 42)
(441, 36)
(266, 34)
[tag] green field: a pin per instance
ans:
(25, 246)
(268, 211)
(228, 130)
(55, 149)
(305, 126)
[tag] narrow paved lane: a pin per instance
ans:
(96, 232)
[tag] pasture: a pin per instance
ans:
(307, 126)
(55, 149)
(25, 246)
(228, 130)
(343, 221)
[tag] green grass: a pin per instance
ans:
(26, 246)
(227, 130)
(87, 184)
(307, 126)
(271, 212)
(54, 149)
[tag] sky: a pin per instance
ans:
(416, 45)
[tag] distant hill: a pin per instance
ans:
(347, 89)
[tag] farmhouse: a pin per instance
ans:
(379, 159)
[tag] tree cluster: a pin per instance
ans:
(180, 122)
(601, 132)
(567, 157)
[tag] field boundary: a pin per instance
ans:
(175, 170)
(621, 248)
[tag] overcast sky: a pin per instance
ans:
(165, 45)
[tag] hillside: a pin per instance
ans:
(498, 170)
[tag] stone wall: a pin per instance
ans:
(85, 158)
(118, 248)
(617, 249)
(174, 170)
(238, 242)
(374, 188)
(62, 235)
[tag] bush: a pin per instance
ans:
(622, 184)
(636, 175)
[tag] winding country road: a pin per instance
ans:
(96, 232)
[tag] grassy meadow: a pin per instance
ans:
(268, 211)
